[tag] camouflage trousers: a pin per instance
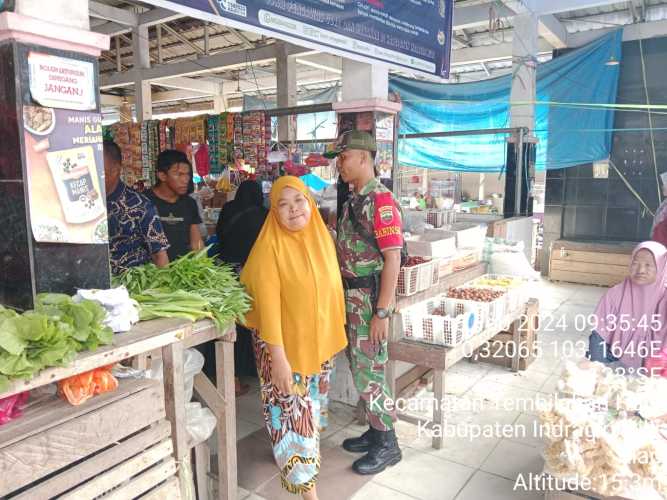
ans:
(367, 362)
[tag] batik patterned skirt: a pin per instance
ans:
(294, 421)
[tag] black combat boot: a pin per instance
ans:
(383, 453)
(360, 444)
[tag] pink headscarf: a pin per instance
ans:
(636, 304)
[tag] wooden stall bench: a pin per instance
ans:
(116, 444)
(590, 263)
(219, 398)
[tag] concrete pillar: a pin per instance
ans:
(364, 81)
(285, 91)
(142, 89)
(524, 69)
(64, 12)
(34, 260)
(219, 104)
(521, 154)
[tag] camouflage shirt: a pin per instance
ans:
(377, 211)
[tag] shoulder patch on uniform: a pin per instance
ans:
(384, 204)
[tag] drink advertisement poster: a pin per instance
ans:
(65, 173)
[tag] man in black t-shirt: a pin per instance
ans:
(178, 212)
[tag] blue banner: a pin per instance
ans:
(574, 114)
(414, 34)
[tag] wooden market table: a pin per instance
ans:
(440, 358)
(445, 283)
(220, 399)
(52, 435)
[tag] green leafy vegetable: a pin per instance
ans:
(51, 335)
(192, 287)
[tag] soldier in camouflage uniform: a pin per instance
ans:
(369, 243)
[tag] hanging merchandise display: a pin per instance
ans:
(213, 139)
(219, 140)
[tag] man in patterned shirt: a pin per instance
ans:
(135, 231)
(369, 243)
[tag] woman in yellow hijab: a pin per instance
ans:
(298, 316)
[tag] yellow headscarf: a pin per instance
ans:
(295, 281)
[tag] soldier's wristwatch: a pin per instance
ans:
(382, 313)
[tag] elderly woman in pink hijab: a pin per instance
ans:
(632, 316)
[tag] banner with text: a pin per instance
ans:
(414, 34)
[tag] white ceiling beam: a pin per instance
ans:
(326, 62)
(175, 95)
(111, 29)
(150, 18)
(485, 53)
(114, 14)
(477, 15)
(501, 51)
(159, 16)
(201, 86)
(543, 7)
(631, 32)
(553, 31)
(202, 65)
(549, 27)
(157, 97)
(111, 100)
(263, 84)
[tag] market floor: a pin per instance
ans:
(481, 398)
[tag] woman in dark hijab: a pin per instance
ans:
(239, 224)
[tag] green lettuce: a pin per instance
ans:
(49, 336)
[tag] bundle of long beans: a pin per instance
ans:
(191, 287)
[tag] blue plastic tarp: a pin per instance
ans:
(573, 119)
(314, 182)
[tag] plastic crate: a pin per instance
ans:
(456, 307)
(517, 292)
(498, 312)
(435, 273)
(418, 278)
(500, 308)
(421, 325)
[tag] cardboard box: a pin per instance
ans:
(432, 244)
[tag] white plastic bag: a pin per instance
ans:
(512, 264)
(193, 363)
(200, 422)
(122, 311)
